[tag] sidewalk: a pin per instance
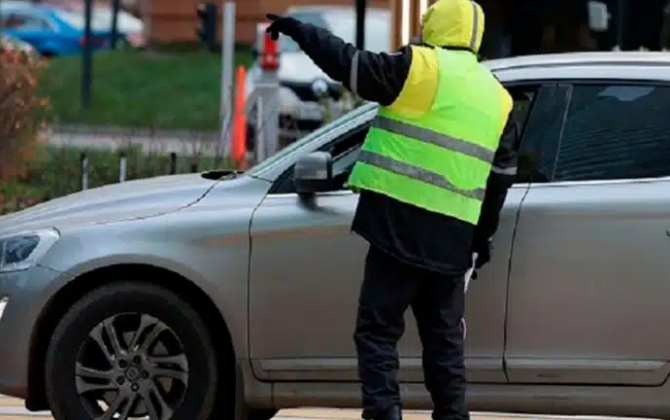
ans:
(12, 409)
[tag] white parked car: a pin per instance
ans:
(300, 79)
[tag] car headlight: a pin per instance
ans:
(21, 251)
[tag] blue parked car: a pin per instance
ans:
(52, 31)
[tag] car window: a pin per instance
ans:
(23, 22)
(615, 132)
(542, 118)
(344, 152)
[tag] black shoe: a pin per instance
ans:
(393, 413)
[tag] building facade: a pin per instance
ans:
(176, 20)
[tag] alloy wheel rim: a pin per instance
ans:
(131, 366)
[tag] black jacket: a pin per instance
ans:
(380, 77)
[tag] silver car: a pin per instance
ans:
(199, 296)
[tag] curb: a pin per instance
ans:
(125, 131)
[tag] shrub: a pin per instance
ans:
(19, 108)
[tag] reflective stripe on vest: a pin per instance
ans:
(435, 138)
(416, 173)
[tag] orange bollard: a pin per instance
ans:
(239, 149)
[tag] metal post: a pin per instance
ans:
(227, 69)
(260, 147)
(84, 170)
(116, 6)
(360, 23)
(122, 167)
(621, 23)
(266, 98)
(87, 56)
(267, 115)
(173, 163)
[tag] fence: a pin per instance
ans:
(57, 171)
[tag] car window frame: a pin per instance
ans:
(286, 177)
(572, 82)
(278, 185)
(551, 87)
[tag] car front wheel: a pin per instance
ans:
(131, 350)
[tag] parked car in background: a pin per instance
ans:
(300, 105)
(50, 30)
(190, 294)
(127, 25)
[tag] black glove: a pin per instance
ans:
(483, 254)
(281, 24)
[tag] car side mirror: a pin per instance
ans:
(313, 173)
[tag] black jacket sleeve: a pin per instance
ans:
(375, 77)
(501, 178)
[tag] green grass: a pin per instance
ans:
(166, 90)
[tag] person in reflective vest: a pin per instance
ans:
(432, 174)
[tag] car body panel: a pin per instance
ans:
(593, 317)
(129, 200)
(287, 233)
(206, 243)
(27, 294)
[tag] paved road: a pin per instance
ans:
(11, 409)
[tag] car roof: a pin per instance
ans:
(609, 58)
(9, 6)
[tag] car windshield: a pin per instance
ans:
(261, 166)
(343, 25)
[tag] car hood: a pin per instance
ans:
(123, 201)
(298, 67)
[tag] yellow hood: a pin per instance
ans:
(454, 23)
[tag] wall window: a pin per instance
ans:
(615, 132)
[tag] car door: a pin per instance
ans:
(589, 273)
(305, 274)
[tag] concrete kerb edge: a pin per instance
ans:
(89, 130)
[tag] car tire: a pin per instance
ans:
(169, 370)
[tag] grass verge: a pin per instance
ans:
(163, 90)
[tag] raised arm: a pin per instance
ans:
(375, 77)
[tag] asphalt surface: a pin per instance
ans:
(11, 409)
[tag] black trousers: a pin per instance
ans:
(437, 300)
